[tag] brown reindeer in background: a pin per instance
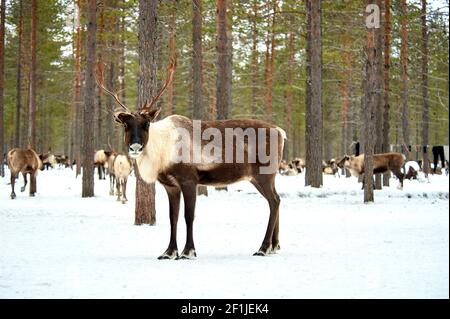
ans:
(152, 144)
(25, 162)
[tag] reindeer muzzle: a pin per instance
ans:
(135, 150)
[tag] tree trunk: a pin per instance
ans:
(99, 141)
(378, 96)
(387, 65)
(19, 76)
(254, 66)
(404, 78)
(223, 82)
(424, 84)
(314, 95)
(271, 65)
(173, 26)
(369, 111)
(2, 83)
(197, 60)
(33, 80)
(145, 212)
(123, 95)
(89, 103)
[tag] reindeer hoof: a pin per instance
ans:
(22, 189)
(124, 201)
(169, 255)
(259, 253)
(32, 195)
(263, 251)
(190, 254)
(13, 196)
(275, 248)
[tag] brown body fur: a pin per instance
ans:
(25, 162)
(382, 163)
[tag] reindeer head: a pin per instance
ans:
(136, 127)
(343, 162)
(137, 124)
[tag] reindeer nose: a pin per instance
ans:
(135, 148)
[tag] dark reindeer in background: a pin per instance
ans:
(151, 142)
(25, 161)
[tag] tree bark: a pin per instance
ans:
(424, 84)
(254, 66)
(369, 111)
(378, 95)
(170, 88)
(223, 82)
(314, 95)
(404, 78)
(387, 66)
(19, 76)
(197, 59)
(2, 83)
(99, 140)
(89, 102)
(33, 80)
(271, 65)
(145, 212)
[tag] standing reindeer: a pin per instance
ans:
(25, 162)
(122, 169)
(153, 144)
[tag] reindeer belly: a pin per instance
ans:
(380, 170)
(223, 175)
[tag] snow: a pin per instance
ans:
(58, 245)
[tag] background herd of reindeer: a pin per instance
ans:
(119, 166)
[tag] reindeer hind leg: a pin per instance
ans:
(265, 184)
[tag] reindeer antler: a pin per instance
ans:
(100, 81)
(169, 78)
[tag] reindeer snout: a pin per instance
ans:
(135, 149)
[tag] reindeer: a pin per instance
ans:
(154, 145)
(382, 163)
(101, 161)
(122, 169)
(110, 163)
(25, 161)
(330, 167)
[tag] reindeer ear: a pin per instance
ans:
(121, 117)
(151, 114)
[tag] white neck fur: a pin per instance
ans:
(158, 150)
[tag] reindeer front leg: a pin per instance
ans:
(33, 183)
(174, 208)
(124, 188)
(189, 190)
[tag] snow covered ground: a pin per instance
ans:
(58, 245)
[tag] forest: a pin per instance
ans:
(94, 92)
(251, 61)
